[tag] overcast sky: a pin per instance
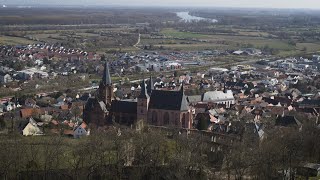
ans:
(314, 4)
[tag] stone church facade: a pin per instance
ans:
(152, 106)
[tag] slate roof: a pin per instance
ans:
(168, 100)
(85, 97)
(106, 79)
(143, 92)
(287, 121)
(23, 124)
(128, 107)
(194, 99)
(93, 102)
(235, 84)
(255, 129)
(90, 103)
(307, 110)
(270, 101)
(217, 96)
(283, 100)
(150, 85)
(103, 106)
(314, 103)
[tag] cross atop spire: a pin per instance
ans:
(106, 79)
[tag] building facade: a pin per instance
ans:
(154, 107)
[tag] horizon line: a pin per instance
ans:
(44, 5)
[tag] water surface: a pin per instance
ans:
(185, 16)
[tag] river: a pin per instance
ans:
(185, 16)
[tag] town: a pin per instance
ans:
(243, 112)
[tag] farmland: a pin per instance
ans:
(10, 40)
(99, 31)
(102, 32)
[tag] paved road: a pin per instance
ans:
(138, 42)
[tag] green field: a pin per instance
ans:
(192, 47)
(169, 32)
(10, 40)
(218, 41)
(311, 47)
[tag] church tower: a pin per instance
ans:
(150, 86)
(106, 87)
(143, 103)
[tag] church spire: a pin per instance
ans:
(106, 87)
(106, 79)
(143, 93)
(182, 88)
(150, 85)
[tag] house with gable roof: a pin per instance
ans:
(32, 129)
(80, 130)
(220, 97)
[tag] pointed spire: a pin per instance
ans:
(106, 79)
(143, 93)
(150, 85)
(184, 101)
(181, 87)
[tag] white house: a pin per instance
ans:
(46, 117)
(219, 97)
(316, 58)
(10, 106)
(80, 131)
(31, 72)
(172, 65)
(5, 78)
(32, 129)
(42, 68)
(38, 62)
(239, 52)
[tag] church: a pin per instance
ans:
(153, 106)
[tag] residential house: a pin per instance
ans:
(5, 78)
(9, 106)
(31, 73)
(80, 131)
(219, 97)
(316, 58)
(29, 102)
(252, 51)
(239, 52)
(32, 129)
(46, 117)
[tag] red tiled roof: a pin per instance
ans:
(28, 112)
(84, 125)
(64, 107)
(54, 122)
